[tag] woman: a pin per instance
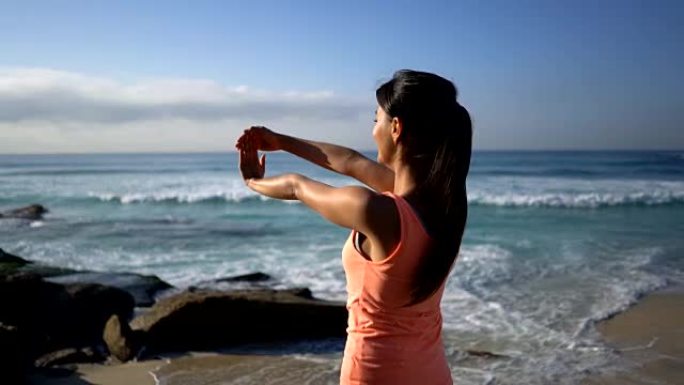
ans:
(404, 236)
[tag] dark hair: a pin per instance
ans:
(437, 142)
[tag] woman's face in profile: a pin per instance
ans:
(381, 135)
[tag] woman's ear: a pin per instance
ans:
(397, 128)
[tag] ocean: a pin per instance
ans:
(555, 241)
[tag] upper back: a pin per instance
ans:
(388, 283)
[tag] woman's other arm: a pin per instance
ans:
(335, 158)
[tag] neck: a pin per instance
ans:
(404, 179)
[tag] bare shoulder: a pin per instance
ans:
(379, 209)
(354, 207)
(384, 226)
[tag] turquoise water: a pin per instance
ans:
(554, 242)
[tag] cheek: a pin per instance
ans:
(376, 131)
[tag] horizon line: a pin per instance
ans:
(360, 150)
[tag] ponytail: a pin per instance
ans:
(445, 185)
(437, 139)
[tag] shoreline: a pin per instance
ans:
(649, 335)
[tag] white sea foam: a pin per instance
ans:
(177, 196)
(520, 319)
(544, 323)
(483, 191)
(184, 191)
(577, 200)
(188, 190)
(572, 193)
(476, 197)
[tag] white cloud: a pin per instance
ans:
(45, 110)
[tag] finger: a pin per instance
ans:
(252, 155)
(241, 140)
(244, 163)
(244, 154)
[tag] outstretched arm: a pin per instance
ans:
(335, 158)
(347, 206)
(353, 207)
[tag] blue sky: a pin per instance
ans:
(86, 76)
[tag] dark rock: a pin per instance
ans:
(210, 319)
(122, 342)
(251, 277)
(32, 305)
(303, 292)
(17, 267)
(6, 257)
(93, 304)
(142, 287)
(33, 212)
(57, 316)
(485, 354)
(10, 264)
(70, 356)
(14, 361)
(257, 280)
(41, 271)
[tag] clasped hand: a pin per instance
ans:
(251, 166)
(253, 169)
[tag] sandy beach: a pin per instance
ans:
(201, 368)
(130, 373)
(650, 336)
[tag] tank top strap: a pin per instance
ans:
(407, 212)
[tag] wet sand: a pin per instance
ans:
(650, 336)
(130, 373)
(250, 369)
(204, 368)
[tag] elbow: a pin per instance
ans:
(347, 167)
(296, 186)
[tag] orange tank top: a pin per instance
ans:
(388, 343)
